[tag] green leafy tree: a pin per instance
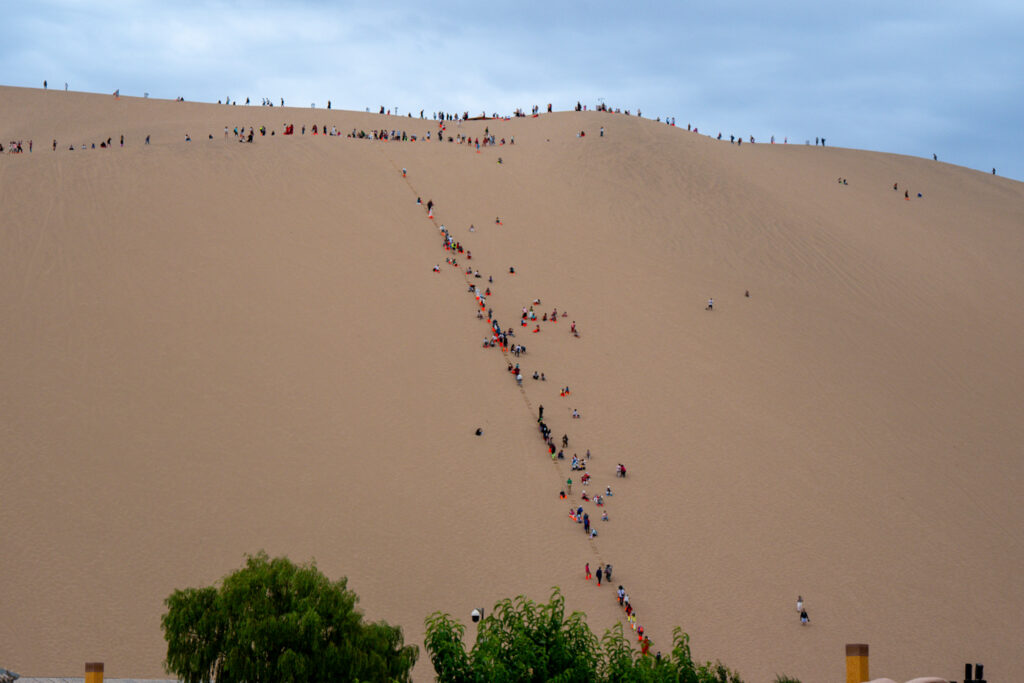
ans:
(524, 641)
(274, 621)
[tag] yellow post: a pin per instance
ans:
(857, 663)
(94, 672)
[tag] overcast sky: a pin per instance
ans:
(911, 77)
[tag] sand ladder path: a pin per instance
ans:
(594, 545)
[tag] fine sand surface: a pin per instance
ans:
(212, 348)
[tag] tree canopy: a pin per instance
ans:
(525, 641)
(275, 621)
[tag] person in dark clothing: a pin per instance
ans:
(599, 574)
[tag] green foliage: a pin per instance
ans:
(524, 641)
(276, 621)
(783, 678)
(443, 641)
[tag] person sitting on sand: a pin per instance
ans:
(575, 414)
(604, 516)
(608, 491)
(804, 619)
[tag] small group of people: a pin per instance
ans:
(906, 193)
(604, 572)
(804, 619)
(581, 517)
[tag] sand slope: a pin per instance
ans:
(211, 348)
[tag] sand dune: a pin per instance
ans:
(211, 348)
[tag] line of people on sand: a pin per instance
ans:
(441, 117)
(488, 139)
(500, 338)
(104, 144)
(631, 618)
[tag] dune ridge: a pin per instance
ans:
(213, 348)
